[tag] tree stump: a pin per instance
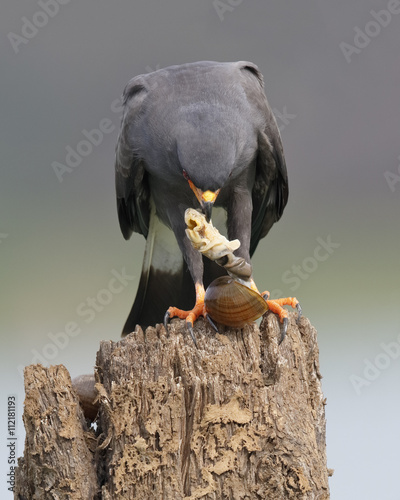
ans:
(57, 461)
(239, 418)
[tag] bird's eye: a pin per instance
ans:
(185, 175)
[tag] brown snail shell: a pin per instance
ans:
(84, 386)
(231, 303)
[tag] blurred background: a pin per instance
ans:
(332, 76)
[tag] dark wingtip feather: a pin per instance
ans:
(156, 292)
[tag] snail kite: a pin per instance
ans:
(195, 135)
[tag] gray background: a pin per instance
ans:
(60, 241)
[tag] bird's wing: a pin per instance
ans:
(271, 190)
(130, 177)
(165, 279)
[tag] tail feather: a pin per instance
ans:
(165, 280)
(163, 290)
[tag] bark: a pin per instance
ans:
(239, 418)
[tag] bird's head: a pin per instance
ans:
(207, 155)
(206, 198)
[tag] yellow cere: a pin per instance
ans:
(209, 195)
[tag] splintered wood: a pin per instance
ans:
(58, 461)
(237, 418)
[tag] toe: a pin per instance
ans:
(189, 326)
(299, 312)
(166, 320)
(211, 322)
(284, 328)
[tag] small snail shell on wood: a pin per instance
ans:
(231, 303)
(84, 385)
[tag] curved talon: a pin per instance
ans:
(189, 326)
(284, 329)
(299, 312)
(166, 321)
(265, 295)
(212, 323)
(276, 306)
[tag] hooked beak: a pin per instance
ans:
(207, 209)
(206, 198)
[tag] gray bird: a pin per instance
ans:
(196, 135)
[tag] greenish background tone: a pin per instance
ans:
(60, 241)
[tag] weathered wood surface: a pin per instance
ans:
(57, 461)
(238, 418)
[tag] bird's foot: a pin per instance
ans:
(276, 307)
(190, 316)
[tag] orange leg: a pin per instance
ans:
(276, 307)
(189, 316)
